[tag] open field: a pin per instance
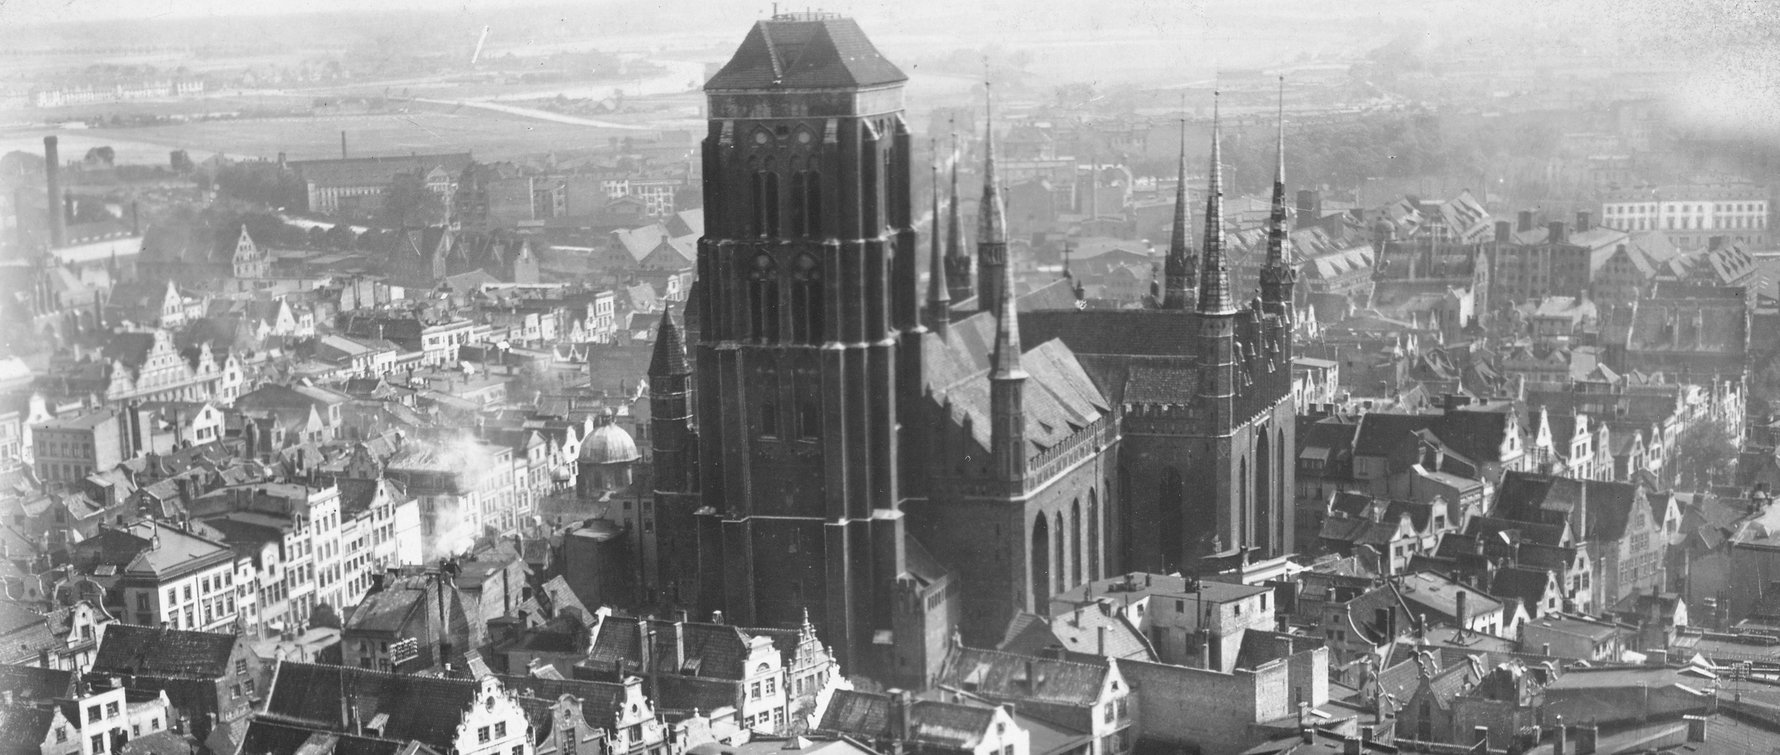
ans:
(489, 135)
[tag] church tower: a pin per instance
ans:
(1217, 400)
(809, 333)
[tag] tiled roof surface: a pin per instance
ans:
(806, 54)
(29, 683)
(601, 702)
(423, 708)
(865, 714)
(163, 652)
(711, 650)
(999, 675)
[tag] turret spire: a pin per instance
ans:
(939, 295)
(1178, 290)
(670, 350)
(1214, 277)
(1276, 222)
(1277, 274)
(991, 220)
(958, 274)
(1007, 332)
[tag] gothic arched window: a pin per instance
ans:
(806, 300)
(763, 299)
(765, 190)
(806, 198)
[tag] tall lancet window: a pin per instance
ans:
(806, 300)
(806, 199)
(765, 191)
(763, 299)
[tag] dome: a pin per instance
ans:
(608, 444)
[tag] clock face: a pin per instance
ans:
(803, 137)
(760, 137)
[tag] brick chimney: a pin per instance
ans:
(1526, 221)
(52, 179)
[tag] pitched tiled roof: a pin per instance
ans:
(998, 675)
(423, 708)
(865, 714)
(795, 53)
(601, 702)
(1522, 584)
(269, 737)
(163, 652)
(710, 650)
(376, 171)
(30, 683)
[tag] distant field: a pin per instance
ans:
(488, 135)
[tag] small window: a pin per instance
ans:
(482, 735)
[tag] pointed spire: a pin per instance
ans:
(939, 295)
(1177, 268)
(1007, 332)
(670, 349)
(1214, 278)
(992, 217)
(958, 276)
(1276, 222)
(992, 261)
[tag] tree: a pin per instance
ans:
(1703, 455)
(104, 156)
(408, 203)
(180, 161)
(324, 616)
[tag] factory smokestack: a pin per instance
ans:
(343, 145)
(52, 174)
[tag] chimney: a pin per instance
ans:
(1100, 632)
(1460, 614)
(679, 644)
(1504, 230)
(52, 179)
(1585, 739)
(1561, 741)
(135, 218)
(1525, 221)
(1584, 220)
(1696, 728)
(343, 145)
(899, 718)
(1351, 746)
(1557, 235)
(1310, 206)
(1367, 733)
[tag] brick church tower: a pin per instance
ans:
(808, 351)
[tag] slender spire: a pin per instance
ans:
(958, 276)
(1178, 267)
(1007, 332)
(992, 262)
(992, 220)
(1276, 222)
(1214, 278)
(939, 295)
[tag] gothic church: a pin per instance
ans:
(907, 464)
